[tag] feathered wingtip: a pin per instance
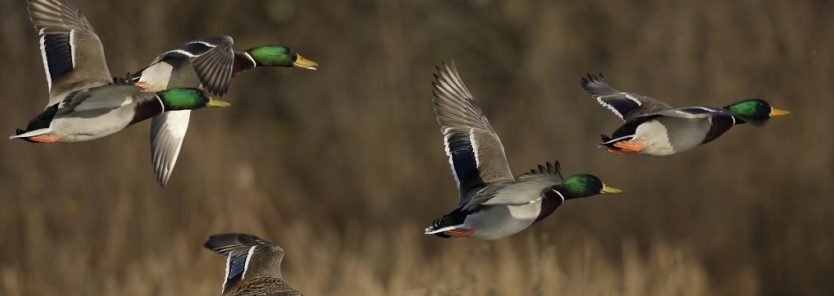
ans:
(226, 243)
(446, 79)
(445, 67)
(596, 85)
(591, 78)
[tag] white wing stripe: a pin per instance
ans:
(203, 43)
(186, 53)
(226, 278)
(474, 148)
(632, 98)
(248, 257)
(45, 61)
(72, 46)
(451, 161)
(606, 105)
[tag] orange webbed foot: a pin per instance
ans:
(461, 232)
(143, 85)
(631, 146)
(46, 138)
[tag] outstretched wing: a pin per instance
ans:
(247, 256)
(210, 58)
(167, 133)
(625, 105)
(73, 56)
(475, 152)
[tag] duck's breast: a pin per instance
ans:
(670, 135)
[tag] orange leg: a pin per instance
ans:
(616, 151)
(143, 85)
(47, 138)
(632, 146)
(461, 232)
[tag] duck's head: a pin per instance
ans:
(188, 99)
(583, 185)
(575, 186)
(279, 56)
(755, 111)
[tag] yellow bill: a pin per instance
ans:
(608, 189)
(217, 103)
(302, 62)
(777, 112)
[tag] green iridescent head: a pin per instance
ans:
(188, 99)
(279, 56)
(583, 185)
(755, 111)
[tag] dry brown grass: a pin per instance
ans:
(343, 167)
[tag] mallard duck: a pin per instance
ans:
(209, 63)
(84, 104)
(253, 265)
(654, 128)
(96, 112)
(493, 204)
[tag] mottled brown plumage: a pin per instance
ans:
(253, 265)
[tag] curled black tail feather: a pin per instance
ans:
(437, 223)
(128, 80)
(454, 218)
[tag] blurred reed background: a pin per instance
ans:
(344, 166)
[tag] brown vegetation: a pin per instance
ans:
(344, 167)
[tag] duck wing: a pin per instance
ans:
(475, 152)
(73, 57)
(625, 105)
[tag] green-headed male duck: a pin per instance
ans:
(84, 103)
(654, 128)
(209, 63)
(492, 203)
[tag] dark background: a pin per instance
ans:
(344, 166)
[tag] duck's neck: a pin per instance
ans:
(147, 109)
(550, 202)
(720, 125)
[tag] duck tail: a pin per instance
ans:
(607, 142)
(453, 220)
